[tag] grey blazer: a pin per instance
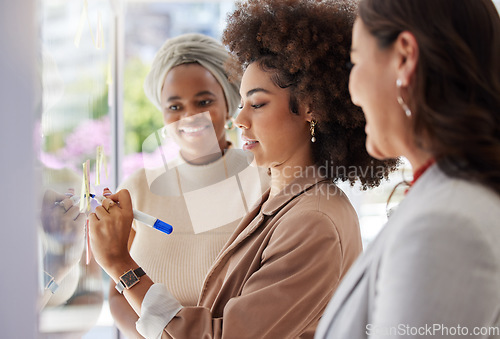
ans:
(433, 271)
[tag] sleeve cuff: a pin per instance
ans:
(158, 308)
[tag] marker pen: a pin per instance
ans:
(144, 218)
(138, 215)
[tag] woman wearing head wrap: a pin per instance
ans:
(198, 191)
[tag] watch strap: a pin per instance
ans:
(125, 283)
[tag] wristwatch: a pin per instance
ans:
(129, 279)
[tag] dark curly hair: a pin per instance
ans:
(455, 94)
(305, 45)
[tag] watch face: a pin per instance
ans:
(129, 279)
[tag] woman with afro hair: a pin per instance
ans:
(278, 270)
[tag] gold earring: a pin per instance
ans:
(312, 126)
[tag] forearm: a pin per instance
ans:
(44, 299)
(135, 295)
(123, 314)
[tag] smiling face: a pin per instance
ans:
(372, 85)
(276, 136)
(188, 91)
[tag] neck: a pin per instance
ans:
(281, 176)
(418, 159)
(294, 167)
(205, 160)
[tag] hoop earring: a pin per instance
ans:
(163, 132)
(401, 102)
(311, 128)
(229, 125)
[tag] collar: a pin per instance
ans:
(418, 173)
(290, 192)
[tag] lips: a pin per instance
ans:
(247, 139)
(248, 143)
(192, 129)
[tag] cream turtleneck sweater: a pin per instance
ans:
(204, 204)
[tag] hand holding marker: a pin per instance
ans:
(143, 217)
(138, 215)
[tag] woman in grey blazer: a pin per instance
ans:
(427, 75)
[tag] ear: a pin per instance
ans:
(309, 115)
(407, 50)
(306, 108)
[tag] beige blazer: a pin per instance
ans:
(275, 276)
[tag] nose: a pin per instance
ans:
(242, 120)
(195, 114)
(188, 114)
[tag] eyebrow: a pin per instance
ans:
(199, 94)
(255, 90)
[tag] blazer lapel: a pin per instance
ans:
(266, 207)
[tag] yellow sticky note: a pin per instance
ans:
(98, 41)
(86, 175)
(98, 162)
(82, 194)
(79, 30)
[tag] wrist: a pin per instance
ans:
(116, 270)
(129, 279)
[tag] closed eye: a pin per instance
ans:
(256, 106)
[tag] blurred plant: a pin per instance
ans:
(141, 117)
(80, 145)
